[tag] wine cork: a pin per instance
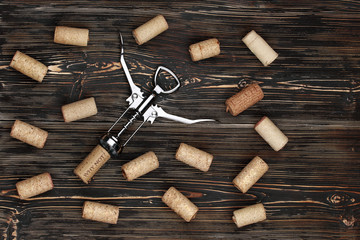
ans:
(205, 49)
(29, 134)
(71, 36)
(34, 186)
(249, 215)
(194, 157)
(140, 166)
(150, 29)
(260, 48)
(271, 133)
(180, 204)
(244, 99)
(250, 174)
(92, 163)
(100, 212)
(79, 110)
(29, 66)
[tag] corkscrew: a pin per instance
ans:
(141, 107)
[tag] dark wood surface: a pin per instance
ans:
(312, 189)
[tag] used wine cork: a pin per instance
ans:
(100, 212)
(79, 110)
(71, 36)
(29, 134)
(244, 99)
(92, 163)
(150, 29)
(194, 157)
(34, 186)
(260, 48)
(180, 204)
(271, 133)
(250, 174)
(29, 66)
(249, 215)
(140, 166)
(205, 49)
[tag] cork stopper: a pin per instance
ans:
(71, 36)
(92, 163)
(29, 66)
(34, 186)
(180, 204)
(29, 134)
(150, 29)
(249, 215)
(244, 99)
(271, 133)
(140, 166)
(79, 109)
(250, 174)
(205, 49)
(194, 157)
(100, 212)
(260, 48)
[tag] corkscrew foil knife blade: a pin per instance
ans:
(142, 107)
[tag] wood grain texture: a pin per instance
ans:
(312, 188)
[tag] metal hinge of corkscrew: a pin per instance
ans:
(111, 145)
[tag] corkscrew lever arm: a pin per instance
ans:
(154, 111)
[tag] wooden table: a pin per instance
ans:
(312, 189)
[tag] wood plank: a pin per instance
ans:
(311, 190)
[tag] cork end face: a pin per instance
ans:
(83, 208)
(269, 61)
(218, 49)
(229, 108)
(124, 174)
(192, 55)
(42, 145)
(165, 196)
(13, 60)
(209, 162)
(258, 90)
(234, 220)
(43, 69)
(260, 121)
(88, 38)
(12, 132)
(264, 213)
(56, 32)
(155, 159)
(50, 180)
(193, 216)
(250, 37)
(162, 18)
(168, 194)
(136, 37)
(17, 185)
(92, 99)
(177, 154)
(81, 177)
(238, 186)
(39, 80)
(282, 145)
(171, 189)
(262, 163)
(63, 111)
